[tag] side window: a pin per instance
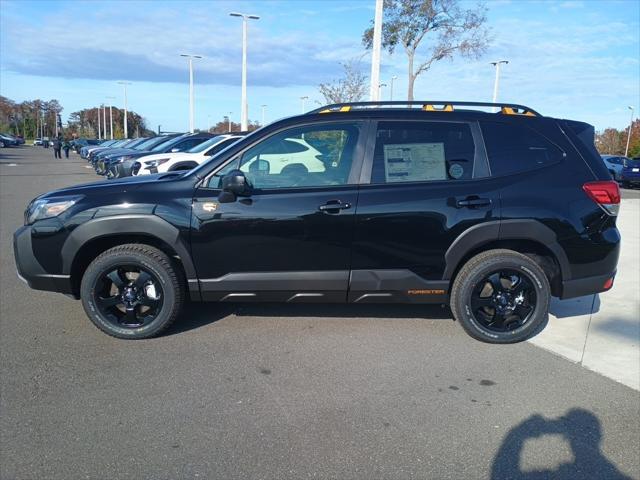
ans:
(310, 156)
(516, 148)
(423, 151)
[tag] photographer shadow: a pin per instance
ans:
(583, 432)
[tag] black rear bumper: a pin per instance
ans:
(586, 286)
(30, 271)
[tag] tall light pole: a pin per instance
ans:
(111, 99)
(229, 120)
(391, 88)
(104, 121)
(191, 114)
(244, 109)
(374, 89)
(626, 150)
(99, 131)
(303, 100)
(497, 64)
(124, 84)
(263, 107)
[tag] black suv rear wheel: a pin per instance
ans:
(132, 291)
(501, 296)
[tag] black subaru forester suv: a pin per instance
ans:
(395, 202)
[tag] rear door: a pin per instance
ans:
(424, 184)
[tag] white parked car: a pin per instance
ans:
(289, 151)
(169, 162)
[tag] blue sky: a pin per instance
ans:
(571, 59)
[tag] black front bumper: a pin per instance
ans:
(31, 271)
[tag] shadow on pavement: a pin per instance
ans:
(583, 432)
(196, 315)
(620, 327)
(575, 306)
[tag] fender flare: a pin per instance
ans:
(129, 225)
(520, 229)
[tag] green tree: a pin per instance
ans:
(351, 87)
(430, 31)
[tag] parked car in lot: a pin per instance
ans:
(89, 151)
(630, 175)
(614, 164)
(96, 155)
(7, 140)
(491, 213)
(104, 159)
(78, 143)
(122, 166)
(37, 142)
(169, 162)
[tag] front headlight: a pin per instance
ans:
(48, 208)
(155, 163)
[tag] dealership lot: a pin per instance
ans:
(272, 391)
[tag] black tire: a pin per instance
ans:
(478, 276)
(126, 260)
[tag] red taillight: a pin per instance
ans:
(608, 284)
(606, 194)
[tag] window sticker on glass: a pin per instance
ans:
(414, 162)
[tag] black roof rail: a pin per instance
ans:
(428, 105)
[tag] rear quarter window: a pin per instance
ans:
(516, 148)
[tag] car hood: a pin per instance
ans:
(105, 187)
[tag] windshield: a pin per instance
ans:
(167, 144)
(147, 144)
(632, 163)
(204, 145)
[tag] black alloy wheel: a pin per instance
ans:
(128, 296)
(503, 300)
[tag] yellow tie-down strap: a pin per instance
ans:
(445, 108)
(513, 111)
(346, 108)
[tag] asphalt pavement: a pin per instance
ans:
(285, 391)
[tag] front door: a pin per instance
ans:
(290, 238)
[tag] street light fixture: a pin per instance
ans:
(497, 64)
(244, 110)
(626, 150)
(191, 114)
(111, 99)
(303, 100)
(391, 88)
(124, 84)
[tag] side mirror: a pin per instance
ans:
(234, 184)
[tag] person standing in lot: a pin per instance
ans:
(57, 146)
(66, 146)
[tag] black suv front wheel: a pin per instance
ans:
(132, 291)
(501, 296)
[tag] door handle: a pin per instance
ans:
(333, 206)
(474, 202)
